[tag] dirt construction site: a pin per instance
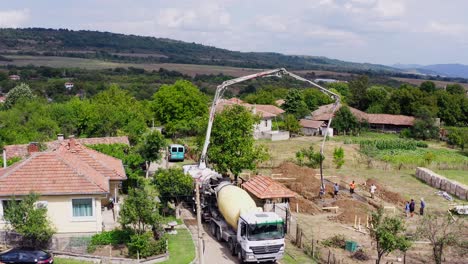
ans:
(316, 220)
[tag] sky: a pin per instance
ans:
(375, 31)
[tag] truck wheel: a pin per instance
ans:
(232, 247)
(218, 234)
(239, 256)
(213, 228)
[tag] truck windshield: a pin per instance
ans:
(265, 231)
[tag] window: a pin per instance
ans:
(174, 149)
(82, 207)
(181, 149)
(243, 229)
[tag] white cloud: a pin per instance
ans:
(205, 16)
(447, 29)
(13, 18)
(271, 24)
(390, 8)
(335, 36)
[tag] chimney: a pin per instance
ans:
(60, 137)
(4, 159)
(33, 147)
(71, 142)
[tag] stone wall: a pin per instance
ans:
(440, 182)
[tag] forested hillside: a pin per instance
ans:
(131, 48)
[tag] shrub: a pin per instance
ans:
(145, 245)
(360, 255)
(338, 157)
(337, 241)
(113, 237)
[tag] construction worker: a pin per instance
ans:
(372, 190)
(412, 206)
(423, 205)
(336, 189)
(352, 185)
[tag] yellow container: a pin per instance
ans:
(232, 202)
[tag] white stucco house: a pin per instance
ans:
(267, 113)
(73, 182)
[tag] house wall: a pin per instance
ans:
(60, 212)
(263, 126)
(310, 131)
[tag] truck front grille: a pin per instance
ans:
(266, 249)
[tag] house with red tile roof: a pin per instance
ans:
(311, 127)
(267, 114)
(379, 122)
(73, 182)
(264, 187)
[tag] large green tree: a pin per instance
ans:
(140, 210)
(358, 89)
(294, 104)
(344, 121)
(173, 183)
(428, 86)
(150, 147)
(388, 233)
(180, 107)
(315, 98)
(19, 93)
(377, 97)
(232, 147)
(29, 220)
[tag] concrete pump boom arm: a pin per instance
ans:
(277, 73)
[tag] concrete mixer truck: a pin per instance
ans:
(233, 217)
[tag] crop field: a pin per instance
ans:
(440, 84)
(93, 64)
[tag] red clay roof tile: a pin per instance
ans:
(264, 187)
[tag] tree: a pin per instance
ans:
(309, 157)
(150, 148)
(294, 104)
(377, 97)
(140, 210)
(315, 98)
(173, 183)
(29, 220)
(180, 107)
(387, 233)
(232, 147)
(442, 231)
(261, 97)
(19, 93)
(358, 89)
(428, 87)
(345, 121)
(338, 157)
(455, 89)
(424, 127)
(291, 124)
(342, 88)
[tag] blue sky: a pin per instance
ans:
(376, 31)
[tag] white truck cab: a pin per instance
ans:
(260, 237)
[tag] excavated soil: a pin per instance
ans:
(386, 195)
(348, 209)
(304, 205)
(304, 182)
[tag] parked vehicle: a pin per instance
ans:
(26, 256)
(250, 233)
(176, 152)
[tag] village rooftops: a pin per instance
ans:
(21, 150)
(323, 113)
(264, 187)
(70, 169)
(307, 123)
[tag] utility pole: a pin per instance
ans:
(199, 224)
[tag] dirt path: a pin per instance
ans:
(214, 251)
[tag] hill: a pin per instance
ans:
(131, 48)
(450, 70)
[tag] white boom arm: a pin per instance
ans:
(276, 72)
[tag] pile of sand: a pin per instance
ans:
(304, 182)
(304, 205)
(348, 209)
(386, 195)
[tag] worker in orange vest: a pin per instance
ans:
(351, 187)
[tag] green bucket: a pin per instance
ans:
(351, 246)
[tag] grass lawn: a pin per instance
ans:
(70, 261)
(460, 176)
(294, 255)
(181, 248)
